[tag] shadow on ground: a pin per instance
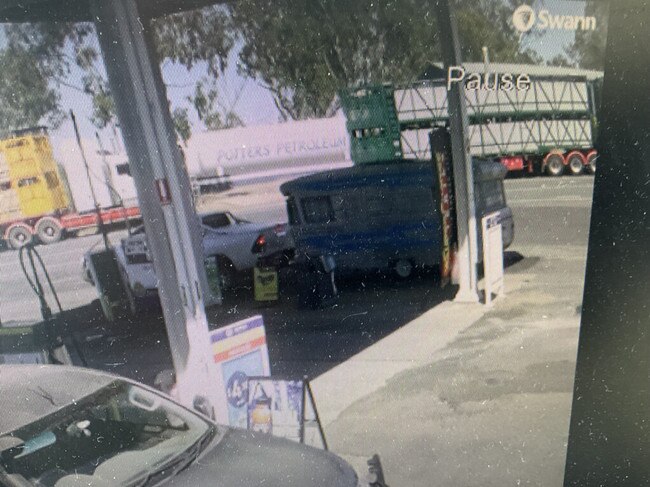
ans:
(301, 341)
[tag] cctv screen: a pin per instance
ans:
(359, 226)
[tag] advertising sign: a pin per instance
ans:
(440, 147)
(240, 351)
(285, 408)
(276, 407)
(492, 256)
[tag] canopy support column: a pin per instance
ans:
(164, 193)
(467, 256)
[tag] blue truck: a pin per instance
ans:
(387, 215)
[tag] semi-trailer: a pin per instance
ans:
(548, 125)
(35, 201)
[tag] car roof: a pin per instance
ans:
(30, 392)
(359, 175)
(386, 172)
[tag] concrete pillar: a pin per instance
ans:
(156, 163)
(467, 256)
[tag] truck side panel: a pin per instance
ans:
(34, 176)
(555, 114)
(9, 203)
(368, 219)
(507, 138)
(427, 100)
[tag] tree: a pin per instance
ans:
(182, 124)
(189, 38)
(489, 23)
(588, 50)
(31, 66)
(214, 114)
(194, 37)
(304, 52)
(560, 60)
(46, 48)
(26, 97)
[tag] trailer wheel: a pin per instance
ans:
(49, 230)
(576, 162)
(591, 162)
(19, 236)
(554, 164)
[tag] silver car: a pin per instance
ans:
(66, 426)
(235, 246)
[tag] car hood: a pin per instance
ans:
(242, 458)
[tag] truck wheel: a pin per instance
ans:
(591, 162)
(403, 268)
(49, 230)
(576, 164)
(19, 236)
(554, 165)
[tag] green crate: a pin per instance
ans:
(372, 124)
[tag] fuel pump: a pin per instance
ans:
(50, 341)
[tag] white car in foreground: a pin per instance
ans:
(236, 245)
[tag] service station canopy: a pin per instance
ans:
(79, 10)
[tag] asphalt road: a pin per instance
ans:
(18, 303)
(555, 202)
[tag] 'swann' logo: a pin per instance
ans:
(523, 18)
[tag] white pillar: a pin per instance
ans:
(172, 229)
(467, 256)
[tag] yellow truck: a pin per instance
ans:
(35, 203)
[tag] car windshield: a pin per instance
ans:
(221, 220)
(237, 219)
(120, 434)
(216, 220)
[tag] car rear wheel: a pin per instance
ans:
(132, 301)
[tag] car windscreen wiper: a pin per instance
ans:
(179, 462)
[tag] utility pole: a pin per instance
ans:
(467, 255)
(116, 197)
(486, 58)
(98, 209)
